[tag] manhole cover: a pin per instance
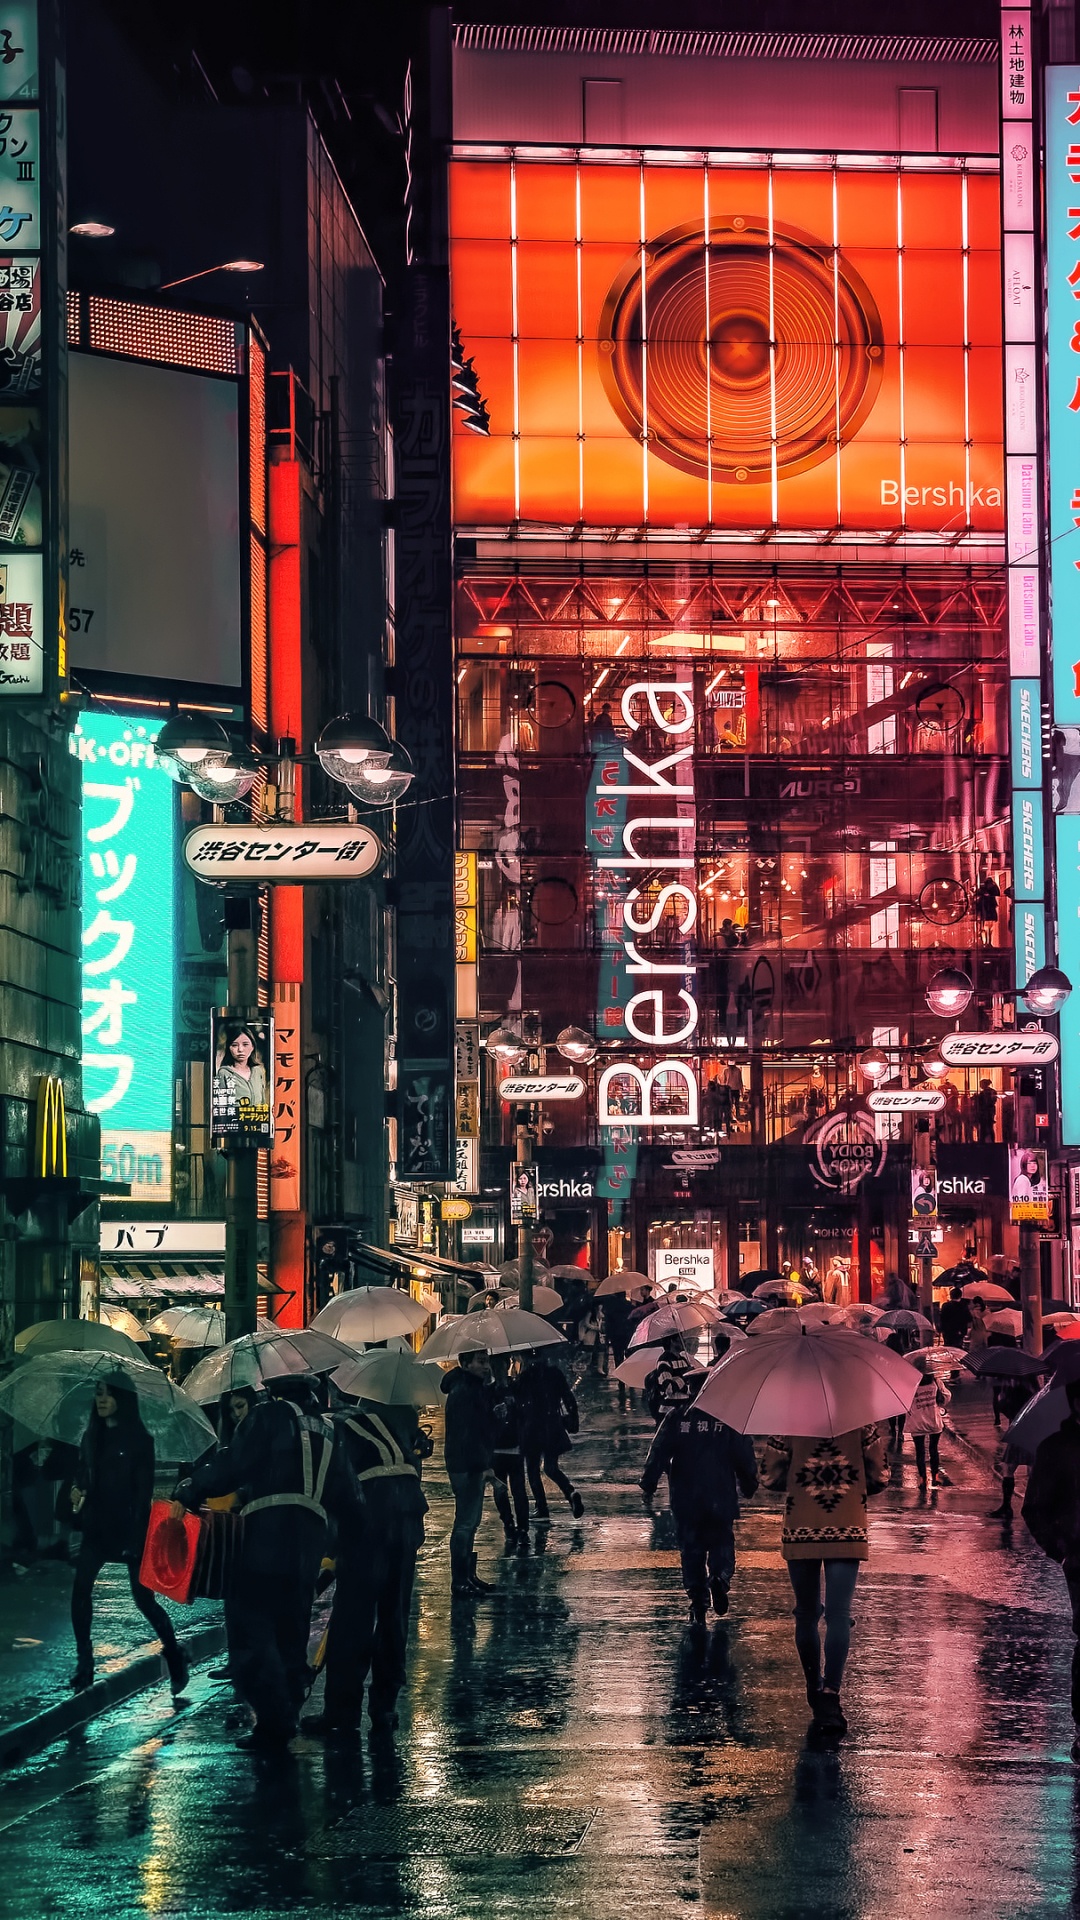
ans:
(391, 1832)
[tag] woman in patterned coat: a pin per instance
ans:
(827, 1482)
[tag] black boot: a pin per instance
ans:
(476, 1585)
(83, 1675)
(179, 1669)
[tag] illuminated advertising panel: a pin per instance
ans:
(730, 346)
(1063, 420)
(129, 875)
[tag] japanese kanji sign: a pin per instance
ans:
(285, 1159)
(127, 942)
(283, 852)
(244, 1088)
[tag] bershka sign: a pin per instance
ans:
(687, 1266)
(567, 1176)
(959, 1184)
(1009, 1049)
(664, 1014)
(567, 1187)
(556, 1086)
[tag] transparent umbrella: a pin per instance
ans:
(52, 1396)
(391, 1379)
(74, 1336)
(636, 1368)
(688, 1316)
(257, 1357)
(545, 1300)
(122, 1320)
(818, 1382)
(503, 1330)
(628, 1281)
(190, 1326)
(364, 1314)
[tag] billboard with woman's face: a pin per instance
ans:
(242, 1087)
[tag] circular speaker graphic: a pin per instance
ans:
(727, 324)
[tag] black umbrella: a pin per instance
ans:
(745, 1309)
(1005, 1363)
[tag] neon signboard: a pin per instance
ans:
(129, 874)
(731, 346)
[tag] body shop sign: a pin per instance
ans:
(127, 944)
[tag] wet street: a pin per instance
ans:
(570, 1748)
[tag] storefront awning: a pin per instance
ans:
(402, 1262)
(166, 1280)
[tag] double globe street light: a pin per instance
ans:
(353, 750)
(950, 992)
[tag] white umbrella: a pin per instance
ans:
(391, 1379)
(503, 1330)
(636, 1368)
(479, 1301)
(74, 1336)
(862, 1315)
(257, 1357)
(52, 1398)
(190, 1326)
(510, 1271)
(989, 1291)
(687, 1316)
(628, 1281)
(817, 1383)
(816, 1314)
(1010, 1321)
(364, 1314)
(545, 1300)
(571, 1273)
(788, 1292)
(937, 1359)
(122, 1320)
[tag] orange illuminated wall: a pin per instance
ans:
(730, 347)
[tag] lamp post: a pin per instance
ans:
(197, 752)
(949, 993)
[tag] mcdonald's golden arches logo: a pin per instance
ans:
(50, 1132)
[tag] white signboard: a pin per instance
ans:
(473, 1236)
(999, 1049)
(172, 1239)
(906, 1100)
(283, 851)
(691, 1267)
(21, 624)
(559, 1086)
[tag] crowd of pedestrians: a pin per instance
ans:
(308, 1494)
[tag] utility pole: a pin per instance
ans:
(524, 1154)
(241, 1181)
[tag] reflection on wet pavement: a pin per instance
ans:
(571, 1749)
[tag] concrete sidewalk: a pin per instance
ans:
(37, 1652)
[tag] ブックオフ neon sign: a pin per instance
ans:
(663, 1015)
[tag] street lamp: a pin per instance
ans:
(223, 266)
(577, 1046)
(932, 1062)
(190, 742)
(380, 786)
(949, 992)
(1047, 990)
(351, 742)
(873, 1064)
(506, 1046)
(354, 751)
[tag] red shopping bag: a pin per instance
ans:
(168, 1561)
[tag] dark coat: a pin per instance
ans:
(1051, 1506)
(955, 1318)
(549, 1413)
(469, 1443)
(706, 1464)
(116, 1472)
(264, 1459)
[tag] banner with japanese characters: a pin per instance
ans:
(128, 890)
(285, 1159)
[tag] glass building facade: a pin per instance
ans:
(732, 665)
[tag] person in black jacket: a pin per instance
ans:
(1051, 1513)
(111, 1492)
(290, 1474)
(549, 1416)
(706, 1463)
(376, 1567)
(511, 1493)
(469, 1447)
